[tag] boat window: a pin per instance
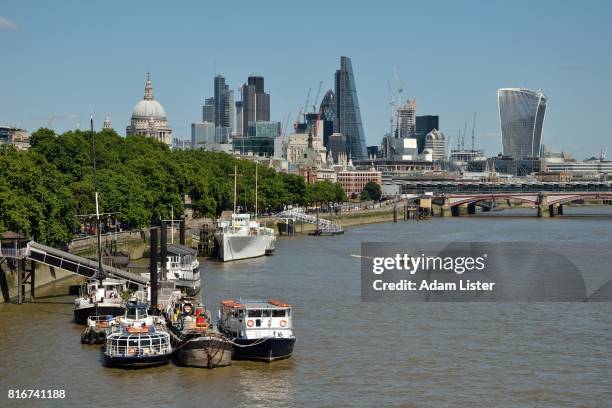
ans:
(254, 313)
(258, 322)
(131, 313)
(278, 313)
(266, 313)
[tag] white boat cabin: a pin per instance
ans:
(182, 263)
(255, 318)
(109, 291)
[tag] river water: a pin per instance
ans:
(351, 353)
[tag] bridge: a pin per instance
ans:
(546, 202)
(506, 186)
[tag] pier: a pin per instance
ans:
(323, 226)
(21, 256)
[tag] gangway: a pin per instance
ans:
(69, 262)
(323, 225)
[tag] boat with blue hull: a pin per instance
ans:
(260, 330)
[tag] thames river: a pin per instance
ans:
(351, 353)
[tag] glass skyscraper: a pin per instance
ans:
(521, 114)
(348, 116)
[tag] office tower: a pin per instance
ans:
(405, 119)
(208, 110)
(255, 103)
(327, 111)
(348, 116)
(435, 143)
(337, 146)
(224, 103)
(521, 114)
(423, 125)
(202, 135)
(238, 128)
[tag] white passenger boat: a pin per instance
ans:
(137, 340)
(260, 330)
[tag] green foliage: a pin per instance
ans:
(324, 192)
(371, 191)
(42, 190)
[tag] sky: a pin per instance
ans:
(63, 59)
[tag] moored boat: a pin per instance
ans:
(137, 340)
(196, 342)
(99, 298)
(260, 330)
(96, 329)
(241, 238)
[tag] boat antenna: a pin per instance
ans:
(98, 223)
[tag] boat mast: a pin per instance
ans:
(235, 176)
(98, 224)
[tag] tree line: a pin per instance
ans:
(45, 189)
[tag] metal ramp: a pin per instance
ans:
(74, 263)
(324, 226)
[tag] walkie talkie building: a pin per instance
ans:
(521, 114)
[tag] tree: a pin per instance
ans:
(43, 189)
(371, 191)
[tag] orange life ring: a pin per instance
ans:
(283, 323)
(250, 323)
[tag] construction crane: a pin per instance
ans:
(306, 106)
(303, 110)
(473, 130)
(463, 138)
(316, 98)
(286, 125)
(391, 105)
(400, 88)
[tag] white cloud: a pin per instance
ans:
(5, 23)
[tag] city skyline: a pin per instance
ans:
(451, 72)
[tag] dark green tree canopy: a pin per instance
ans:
(42, 190)
(371, 191)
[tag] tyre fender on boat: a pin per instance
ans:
(283, 323)
(250, 323)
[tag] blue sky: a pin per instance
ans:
(60, 58)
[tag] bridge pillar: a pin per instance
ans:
(471, 208)
(542, 205)
(560, 209)
(551, 210)
(458, 210)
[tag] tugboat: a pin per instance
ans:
(99, 298)
(241, 238)
(196, 342)
(137, 340)
(260, 330)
